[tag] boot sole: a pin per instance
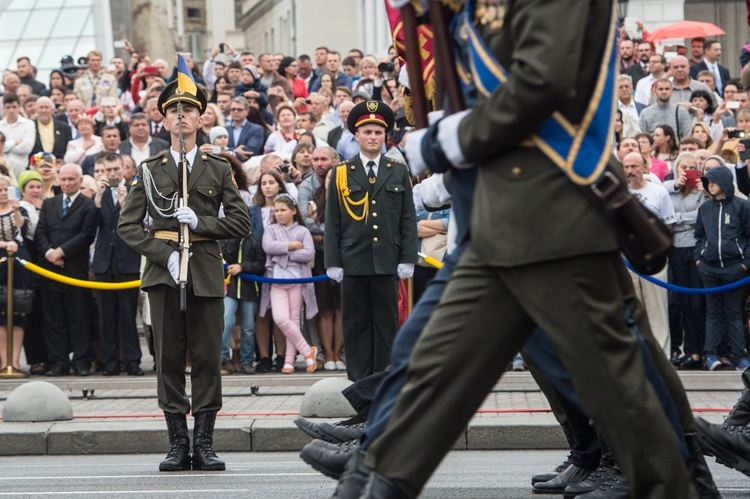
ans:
(222, 467)
(725, 457)
(185, 467)
(315, 433)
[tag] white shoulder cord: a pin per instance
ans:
(148, 185)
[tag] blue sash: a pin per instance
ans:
(571, 147)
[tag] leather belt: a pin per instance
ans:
(174, 236)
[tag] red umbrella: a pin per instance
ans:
(686, 29)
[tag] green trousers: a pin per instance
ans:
(196, 332)
(485, 316)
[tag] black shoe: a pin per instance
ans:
(328, 458)
(354, 478)
(58, 371)
(730, 444)
(616, 487)
(380, 487)
(204, 457)
(690, 364)
(602, 474)
(675, 358)
(545, 477)
(178, 458)
(135, 370)
(279, 364)
(82, 371)
(572, 474)
(111, 369)
(333, 433)
(702, 479)
(264, 365)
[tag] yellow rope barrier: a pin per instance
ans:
(81, 283)
(431, 261)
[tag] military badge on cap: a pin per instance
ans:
(182, 89)
(370, 112)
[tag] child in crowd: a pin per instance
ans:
(244, 256)
(722, 232)
(289, 255)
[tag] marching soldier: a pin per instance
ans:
(197, 331)
(370, 240)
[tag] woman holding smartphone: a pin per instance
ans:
(686, 194)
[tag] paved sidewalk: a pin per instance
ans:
(120, 414)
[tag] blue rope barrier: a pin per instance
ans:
(691, 291)
(271, 280)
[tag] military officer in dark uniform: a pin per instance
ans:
(197, 331)
(541, 253)
(370, 240)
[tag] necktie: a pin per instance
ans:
(371, 174)
(66, 205)
(156, 129)
(715, 71)
(114, 195)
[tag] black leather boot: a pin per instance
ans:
(730, 444)
(354, 478)
(178, 458)
(740, 415)
(204, 457)
(328, 458)
(603, 473)
(572, 475)
(380, 487)
(544, 477)
(702, 478)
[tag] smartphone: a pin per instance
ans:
(113, 182)
(12, 193)
(631, 26)
(119, 44)
(745, 155)
(216, 149)
(692, 177)
(736, 134)
(733, 104)
(222, 47)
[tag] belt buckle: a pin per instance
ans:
(606, 185)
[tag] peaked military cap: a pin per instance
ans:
(370, 112)
(170, 95)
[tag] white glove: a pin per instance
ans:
(447, 136)
(413, 150)
(405, 270)
(335, 273)
(173, 265)
(187, 216)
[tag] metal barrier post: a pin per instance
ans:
(10, 371)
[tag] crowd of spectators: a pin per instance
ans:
(69, 149)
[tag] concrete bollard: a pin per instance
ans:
(37, 401)
(325, 400)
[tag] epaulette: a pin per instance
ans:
(206, 155)
(156, 156)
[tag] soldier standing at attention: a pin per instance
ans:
(196, 331)
(370, 240)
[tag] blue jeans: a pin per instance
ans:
(723, 310)
(248, 309)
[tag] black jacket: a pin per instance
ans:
(248, 252)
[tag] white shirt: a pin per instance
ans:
(189, 156)
(656, 199)
(366, 160)
(18, 154)
(631, 109)
(138, 154)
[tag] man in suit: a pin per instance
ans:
(245, 138)
(141, 145)
(73, 110)
(115, 261)
(51, 135)
(506, 288)
(66, 229)
(197, 330)
(640, 68)
(711, 56)
(111, 142)
(371, 240)
(156, 120)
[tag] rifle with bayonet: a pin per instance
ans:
(184, 232)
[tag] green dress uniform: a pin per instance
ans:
(197, 331)
(371, 228)
(541, 254)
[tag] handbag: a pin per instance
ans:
(23, 301)
(433, 246)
